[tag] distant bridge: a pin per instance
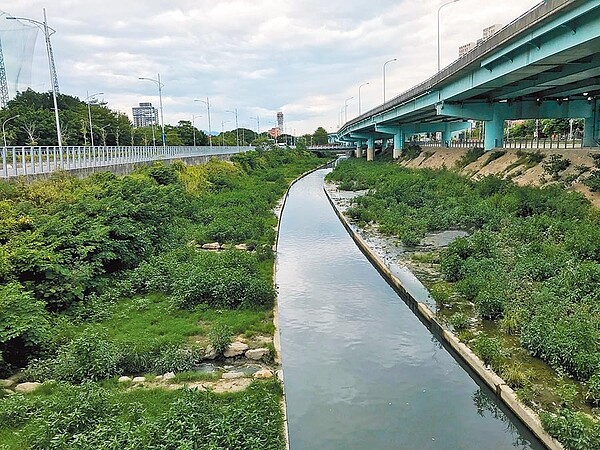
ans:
(545, 64)
(26, 161)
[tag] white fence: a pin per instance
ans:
(18, 161)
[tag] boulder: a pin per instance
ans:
(138, 379)
(6, 384)
(168, 376)
(235, 349)
(265, 373)
(243, 247)
(124, 379)
(27, 387)
(257, 353)
(232, 375)
(211, 246)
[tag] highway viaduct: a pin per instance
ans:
(544, 64)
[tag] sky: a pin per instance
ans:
(306, 58)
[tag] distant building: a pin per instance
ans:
(280, 120)
(491, 30)
(463, 49)
(144, 115)
(275, 132)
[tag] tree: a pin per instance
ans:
(320, 136)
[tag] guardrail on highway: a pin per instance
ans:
(18, 161)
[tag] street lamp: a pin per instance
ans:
(223, 122)
(438, 30)
(4, 123)
(257, 118)
(162, 120)
(208, 112)
(194, 128)
(385, 64)
(53, 81)
(237, 130)
(88, 100)
(359, 107)
(346, 109)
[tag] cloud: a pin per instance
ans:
(303, 57)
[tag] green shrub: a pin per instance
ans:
(411, 151)
(176, 359)
(593, 390)
(164, 174)
(460, 322)
(470, 156)
(494, 156)
(573, 429)
(554, 165)
(489, 349)
(220, 337)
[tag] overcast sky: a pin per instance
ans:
(303, 57)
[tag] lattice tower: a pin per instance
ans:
(3, 81)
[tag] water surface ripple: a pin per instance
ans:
(361, 371)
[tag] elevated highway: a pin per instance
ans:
(544, 64)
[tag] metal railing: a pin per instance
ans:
(542, 143)
(19, 161)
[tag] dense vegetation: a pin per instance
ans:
(531, 263)
(102, 276)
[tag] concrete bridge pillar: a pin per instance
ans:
(494, 131)
(444, 138)
(371, 148)
(591, 132)
(359, 149)
(398, 144)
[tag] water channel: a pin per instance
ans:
(360, 370)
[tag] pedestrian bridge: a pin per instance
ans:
(545, 64)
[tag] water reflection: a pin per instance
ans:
(361, 371)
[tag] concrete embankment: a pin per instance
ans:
(458, 349)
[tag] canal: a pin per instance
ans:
(360, 370)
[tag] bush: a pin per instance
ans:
(593, 390)
(219, 337)
(176, 359)
(460, 321)
(573, 429)
(554, 165)
(489, 349)
(411, 151)
(470, 156)
(89, 357)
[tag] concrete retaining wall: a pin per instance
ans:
(458, 349)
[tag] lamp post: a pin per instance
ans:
(257, 118)
(346, 109)
(237, 130)
(207, 102)
(88, 100)
(359, 105)
(193, 127)
(385, 64)
(53, 81)
(438, 30)
(162, 120)
(3, 124)
(223, 122)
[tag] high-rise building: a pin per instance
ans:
(280, 121)
(144, 114)
(487, 33)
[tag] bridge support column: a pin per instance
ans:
(591, 131)
(398, 144)
(359, 149)
(494, 131)
(444, 138)
(371, 148)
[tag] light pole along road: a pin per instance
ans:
(385, 64)
(438, 31)
(88, 101)
(207, 103)
(162, 120)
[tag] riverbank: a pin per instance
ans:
(374, 246)
(483, 311)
